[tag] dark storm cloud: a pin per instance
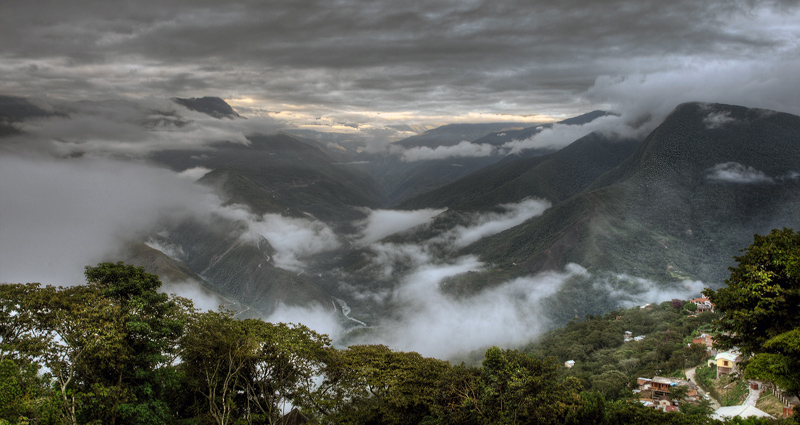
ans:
(436, 57)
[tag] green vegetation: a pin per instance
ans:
(728, 390)
(116, 351)
(759, 307)
(770, 404)
(606, 364)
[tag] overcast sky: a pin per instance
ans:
(389, 62)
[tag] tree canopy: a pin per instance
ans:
(117, 351)
(760, 308)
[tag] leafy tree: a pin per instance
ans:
(82, 338)
(150, 324)
(759, 308)
(284, 367)
(611, 384)
(516, 388)
(108, 345)
(20, 337)
(215, 349)
(387, 387)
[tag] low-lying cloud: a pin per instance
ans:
(321, 319)
(382, 223)
(488, 224)
(717, 119)
(462, 150)
(58, 216)
(734, 172)
(122, 127)
(631, 291)
(553, 137)
(435, 324)
(292, 238)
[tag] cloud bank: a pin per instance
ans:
(58, 216)
(434, 324)
(411, 63)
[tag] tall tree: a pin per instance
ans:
(151, 324)
(215, 350)
(759, 307)
(283, 368)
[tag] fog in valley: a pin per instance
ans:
(78, 188)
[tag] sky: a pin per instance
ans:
(345, 65)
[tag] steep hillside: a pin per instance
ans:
(555, 177)
(239, 268)
(403, 180)
(681, 206)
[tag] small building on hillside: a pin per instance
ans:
(704, 339)
(703, 304)
(707, 341)
(659, 388)
(726, 362)
(569, 363)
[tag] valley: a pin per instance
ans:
(494, 231)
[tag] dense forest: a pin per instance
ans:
(117, 351)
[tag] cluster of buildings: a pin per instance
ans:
(667, 394)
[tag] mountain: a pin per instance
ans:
(500, 137)
(212, 106)
(276, 174)
(19, 108)
(691, 195)
(241, 269)
(281, 174)
(452, 134)
(403, 180)
(556, 176)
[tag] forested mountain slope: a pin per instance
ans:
(699, 186)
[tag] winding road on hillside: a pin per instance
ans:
(690, 375)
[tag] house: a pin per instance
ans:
(658, 389)
(569, 363)
(726, 362)
(704, 339)
(703, 304)
(660, 386)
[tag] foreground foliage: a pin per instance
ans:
(760, 308)
(116, 351)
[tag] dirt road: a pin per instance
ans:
(690, 375)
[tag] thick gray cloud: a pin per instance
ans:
(424, 60)
(58, 216)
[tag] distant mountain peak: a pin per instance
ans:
(209, 105)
